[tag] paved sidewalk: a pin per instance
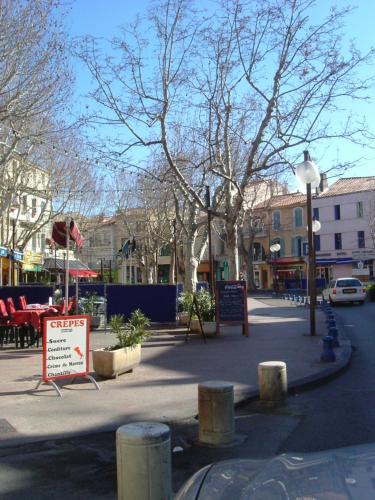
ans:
(164, 386)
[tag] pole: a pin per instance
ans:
(13, 262)
(209, 217)
(67, 267)
(175, 250)
(110, 270)
(311, 271)
(56, 273)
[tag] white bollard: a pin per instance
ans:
(216, 413)
(273, 385)
(144, 469)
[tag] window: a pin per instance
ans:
(297, 247)
(316, 213)
(359, 206)
(317, 242)
(24, 204)
(42, 205)
(361, 239)
(337, 212)
(298, 217)
(338, 242)
(165, 251)
(43, 242)
(33, 207)
(276, 220)
(258, 252)
(33, 243)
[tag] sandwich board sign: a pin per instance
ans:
(231, 304)
(65, 349)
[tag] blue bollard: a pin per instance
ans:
(327, 356)
(333, 332)
(331, 323)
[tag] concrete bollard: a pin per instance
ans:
(273, 384)
(216, 413)
(327, 355)
(144, 469)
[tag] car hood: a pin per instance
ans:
(344, 473)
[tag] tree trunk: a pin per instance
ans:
(232, 246)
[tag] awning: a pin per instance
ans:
(82, 273)
(331, 262)
(52, 264)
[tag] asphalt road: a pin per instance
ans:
(341, 412)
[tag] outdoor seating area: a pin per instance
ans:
(20, 328)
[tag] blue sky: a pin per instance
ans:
(101, 18)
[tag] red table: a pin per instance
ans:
(33, 317)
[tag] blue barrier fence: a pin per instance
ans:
(157, 302)
(301, 284)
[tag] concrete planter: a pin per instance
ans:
(209, 327)
(184, 318)
(110, 364)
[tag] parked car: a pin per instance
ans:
(344, 290)
(344, 473)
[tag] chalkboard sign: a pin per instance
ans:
(231, 304)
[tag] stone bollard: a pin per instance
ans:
(327, 355)
(216, 413)
(144, 469)
(333, 332)
(273, 384)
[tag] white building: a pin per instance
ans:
(345, 244)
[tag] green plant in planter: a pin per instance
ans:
(185, 301)
(88, 304)
(206, 305)
(131, 332)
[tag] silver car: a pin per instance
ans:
(344, 290)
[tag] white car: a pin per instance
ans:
(344, 290)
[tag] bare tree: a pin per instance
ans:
(247, 91)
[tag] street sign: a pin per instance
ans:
(231, 304)
(363, 254)
(65, 347)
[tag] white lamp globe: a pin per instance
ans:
(275, 247)
(316, 225)
(308, 173)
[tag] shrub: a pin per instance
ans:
(370, 292)
(206, 305)
(130, 333)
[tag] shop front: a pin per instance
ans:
(287, 273)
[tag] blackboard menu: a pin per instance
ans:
(231, 301)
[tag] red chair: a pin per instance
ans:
(10, 306)
(22, 330)
(22, 302)
(8, 328)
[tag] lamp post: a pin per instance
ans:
(175, 250)
(14, 206)
(308, 173)
(209, 216)
(274, 249)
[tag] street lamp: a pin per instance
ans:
(274, 249)
(14, 206)
(209, 216)
(307, 173)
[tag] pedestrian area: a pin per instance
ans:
(164, 386)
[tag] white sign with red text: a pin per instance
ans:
(65, 347)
